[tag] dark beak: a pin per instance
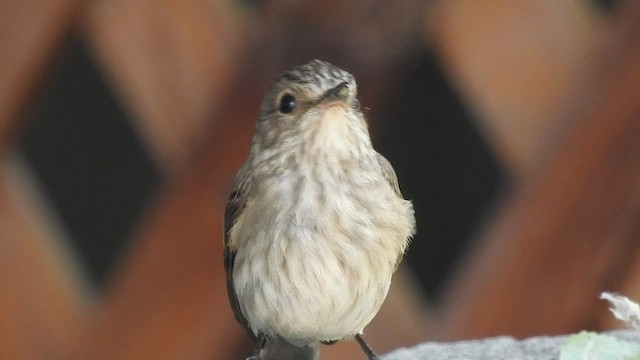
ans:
(338, 93)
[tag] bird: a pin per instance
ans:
(315, 224)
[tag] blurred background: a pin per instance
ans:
(513, 126)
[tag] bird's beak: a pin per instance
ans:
(337, 94)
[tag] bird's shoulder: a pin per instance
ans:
(235, 205)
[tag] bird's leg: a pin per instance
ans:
(262, 340)
(366, 348)
(256, 355)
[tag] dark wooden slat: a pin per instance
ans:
(516, 62)
(571, 230)
(29, 33)
(168, 300)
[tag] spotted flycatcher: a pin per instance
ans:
(315, 225)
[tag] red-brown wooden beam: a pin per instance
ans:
(167, 299)
(41, 302)
(169, 61)
(516, 63)
(570, 231)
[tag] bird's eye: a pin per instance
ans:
(287, 104)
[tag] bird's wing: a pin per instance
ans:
(235, 206)
(391, 177)
(389, 173)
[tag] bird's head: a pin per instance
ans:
(313, 105)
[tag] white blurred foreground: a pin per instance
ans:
(616, 345)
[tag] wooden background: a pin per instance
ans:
(554, 86)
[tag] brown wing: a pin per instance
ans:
(235, 206)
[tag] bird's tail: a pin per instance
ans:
(278, 349)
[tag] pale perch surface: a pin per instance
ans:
(538, 348)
